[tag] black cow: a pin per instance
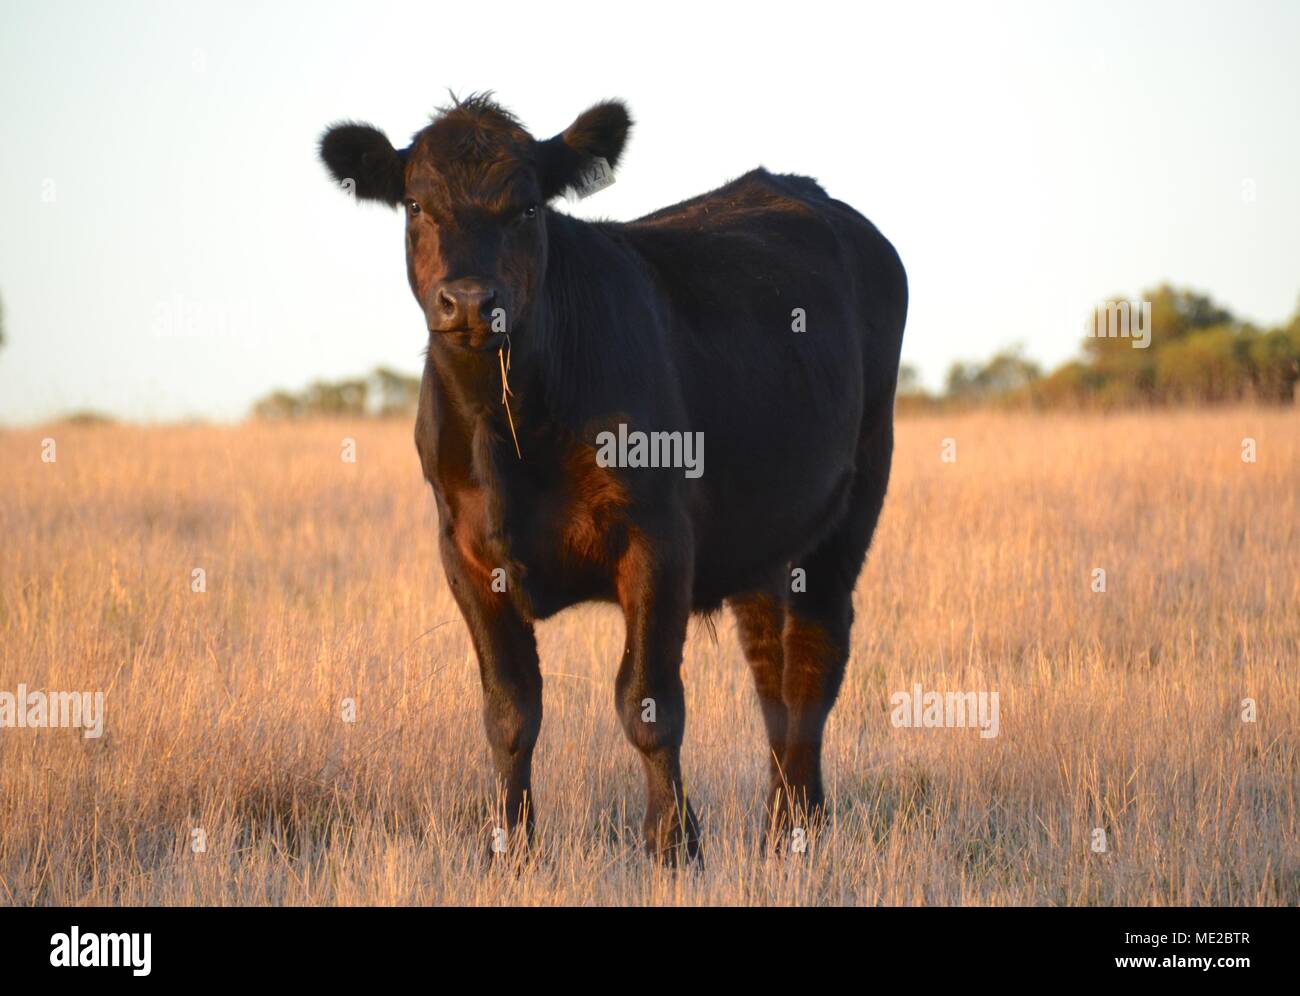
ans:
(763, 319)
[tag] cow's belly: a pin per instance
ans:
(776, 480)
(749, 532)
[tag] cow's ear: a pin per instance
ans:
(363, 161)
(598, 132)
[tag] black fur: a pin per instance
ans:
(365, 156)
(601, 131)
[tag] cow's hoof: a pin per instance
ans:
(511, 848)
(673, 839)
(794, 819)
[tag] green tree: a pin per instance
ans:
(1072, 385)
(1274, 359)
(1207, 366)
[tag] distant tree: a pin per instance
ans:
(1274, 359)
(345, 397)
(394, 393)
(86, 417)
(1006, 372)
(383, 392)
(909, 380)
(1175, 314)
(1071, 385)
(278, 405)
(1207, 366)
(1128, 375)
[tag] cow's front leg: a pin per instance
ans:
(512, 687)
(654, 586)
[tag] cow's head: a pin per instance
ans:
(474, 185)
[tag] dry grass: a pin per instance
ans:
(1119, 710)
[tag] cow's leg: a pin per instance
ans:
(512, 684)
(818, 620)
(816, 643)
(760, 622)
(654, 585)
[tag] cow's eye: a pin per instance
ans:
(413, 207)
(530, 212)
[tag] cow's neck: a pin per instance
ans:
(593, 349)
(580, 365)
(572, 360)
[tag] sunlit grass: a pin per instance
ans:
(1119, 711)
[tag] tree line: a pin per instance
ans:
(1174, 346)
(380, 394)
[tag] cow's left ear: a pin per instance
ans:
(598, 132)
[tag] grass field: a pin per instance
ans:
(1119, 710)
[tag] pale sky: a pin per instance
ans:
(170, 247)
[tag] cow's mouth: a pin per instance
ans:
(477, 340)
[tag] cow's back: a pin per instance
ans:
(784, 322)
(730, 261)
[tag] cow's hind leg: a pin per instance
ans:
(817, 625)
(760, 623)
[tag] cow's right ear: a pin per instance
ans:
(363, 160)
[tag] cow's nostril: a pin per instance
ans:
(461, 304)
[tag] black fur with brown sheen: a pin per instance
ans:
(681, 321)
